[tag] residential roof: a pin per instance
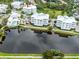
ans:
(66, 19)
(13, 19)
(15, 14)
(40, 16)
(3, 6)
(30, 7)
(17, 2)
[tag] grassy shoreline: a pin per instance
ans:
(56, 30)
(23, 54)
(45, 29)
(69, 33)
(18, 54)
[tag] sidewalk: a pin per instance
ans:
(35, 57)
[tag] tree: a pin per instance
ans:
(50, 28)
(69, 7)
(6, 1)
(2, 35)
(49, 54)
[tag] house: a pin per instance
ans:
(3, 8)
(15, 14)
(40, 19)
(12, 22)
(76, 15)
(17, 4)
(14, 19)
(29, 9)
(66, 23)
(34, 8)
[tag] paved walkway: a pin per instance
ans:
(35, 57)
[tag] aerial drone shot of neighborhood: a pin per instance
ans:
(39, 29)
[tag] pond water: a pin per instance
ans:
(30, 42)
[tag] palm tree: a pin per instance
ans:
(50, 54)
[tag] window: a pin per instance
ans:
(45, 22)
(73, 24)
(58, 23)
(67, 25)
(40, 22)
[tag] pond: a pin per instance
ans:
(31, 42)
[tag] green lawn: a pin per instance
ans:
(13, 54)
(70, 33)
(53, 13)
(10, 54)
(71, 54)
(35, 27)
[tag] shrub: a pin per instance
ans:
(39, 7)
(49, 54)
(56, 6)
(50, 28)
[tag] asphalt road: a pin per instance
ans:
(30, 42)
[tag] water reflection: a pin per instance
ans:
(30, 42)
